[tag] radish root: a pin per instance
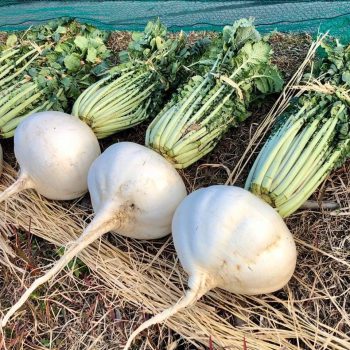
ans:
(23, 182)
(93, 231)
(318, 205)
(191, 296)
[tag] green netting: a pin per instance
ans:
(310, 16)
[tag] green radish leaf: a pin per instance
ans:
(159, 42)
(72, 62)
(66, 82)
(101, 48)
(95, 42)
(346, 77)
(56, 37)
(92, 54)
(81, 42)
(137, 36)
(61, 30)
(32, 72)
(123, 56)
(11, 40)
(62, 47)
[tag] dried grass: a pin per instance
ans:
(3, 37)
(145, 277)
(310, 313)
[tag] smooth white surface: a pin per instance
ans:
(56, 151)
(234, 240)
(137, 187)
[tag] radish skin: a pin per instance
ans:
(55, 151)
(226, 237)
(134, 191)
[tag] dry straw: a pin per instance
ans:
(310, 313)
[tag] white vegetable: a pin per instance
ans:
(55, 151)
(1, 160)
(226, 237)
(134, 191)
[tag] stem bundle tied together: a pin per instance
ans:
(196, 118)
(309, 140)
(135, 90)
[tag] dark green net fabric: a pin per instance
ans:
(295, 16)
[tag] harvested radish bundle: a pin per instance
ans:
(196, 118)
(135, 90)
(134, 191)
(46, 67)
(55, 151)
(308, 141)
(226, 237)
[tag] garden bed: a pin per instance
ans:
(98, 308)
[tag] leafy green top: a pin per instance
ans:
(162, 53)
(72, 55)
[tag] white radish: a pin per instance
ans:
(226, 237)
(55, 151)
(134, 191)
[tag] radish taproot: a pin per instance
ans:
(134, 191)
(226, 237)
(55, 151)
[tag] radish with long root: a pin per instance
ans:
(55, 151)
(228, 238)
(134, 191)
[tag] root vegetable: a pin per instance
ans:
(226, 237)
(55, 151)
(134, 191)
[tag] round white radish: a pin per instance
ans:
(134, 191)
(55, 151)
(226, 237)
(137, 189)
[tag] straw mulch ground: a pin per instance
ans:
(128, 280)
